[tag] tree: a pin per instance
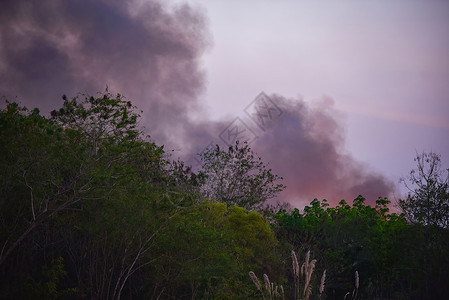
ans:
(52, 165)
(427, 209)
(237, 177)
(345, 239)
(208, 251)
(135, 197)
(428, 200)
(85, 185)
(35, 182)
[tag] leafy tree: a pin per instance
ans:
(237, 177)
(40, 167)
(428, 200)
(84, 185)
(47, 286)
(136, 196)
(184, 180)
(208, 251)
(90, 208)
(345, 239)
(54, 165)
(85, 193)
(427, 208)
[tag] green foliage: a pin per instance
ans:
(40, 166)
(48, 286)
(91, 208)
(103, 118)
(344, 238)
(237, 177)
(210, 248)
(86, 187)
(427, 207)
(394, 258)
(82, 183)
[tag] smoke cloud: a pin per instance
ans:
(145, 50)
(305, 145)
(150, 51)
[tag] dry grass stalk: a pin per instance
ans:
(307, 258)
(306, 271)
(295, 264)
(354, 293)
(309, 267)
(323, 279)
(267, 283)
(295, 274)
(255, 280)
(305, 265)
(309, 271)
(269, 290)
(356, 289)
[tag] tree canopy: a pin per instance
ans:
(237, 177)
(428, 200)
(91, 208)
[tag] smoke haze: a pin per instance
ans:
(145, 50)
(306, 147)
(150, 52)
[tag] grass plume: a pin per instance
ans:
(323, 280)
(269, 290)
(301, 276)
(305, 274)
(356, 287)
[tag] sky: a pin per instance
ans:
(353, 88)
(385, 65)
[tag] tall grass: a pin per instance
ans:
(302, 278)
(268, 290)
(356, 288)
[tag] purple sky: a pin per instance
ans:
(385, 64)
(362, 85)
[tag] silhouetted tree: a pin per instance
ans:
(428, 200)
(238, 177)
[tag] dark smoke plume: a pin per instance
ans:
(150, 52)
(306, 146)
(143, 49)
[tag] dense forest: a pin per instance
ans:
(92, 208)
